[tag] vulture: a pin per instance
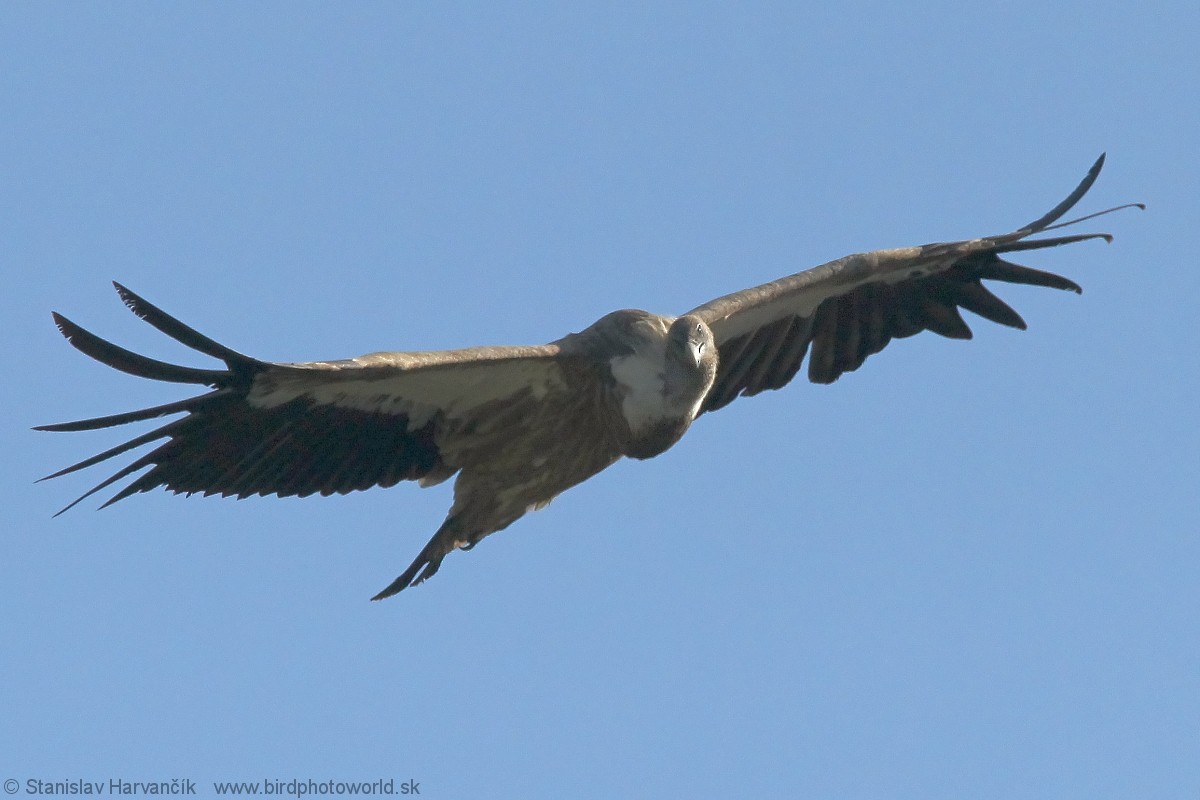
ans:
(519, 425)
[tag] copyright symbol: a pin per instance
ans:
(11, 786)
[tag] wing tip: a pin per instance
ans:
(66, 327)
(1045, 221)
(128, 297)
(181, 332)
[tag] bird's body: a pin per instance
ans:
(520, 425)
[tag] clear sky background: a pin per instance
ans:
(967, 570)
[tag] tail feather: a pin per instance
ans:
(427, 561)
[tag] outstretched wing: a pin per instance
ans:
(298, 429)
(851, 308)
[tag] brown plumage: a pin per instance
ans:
(519, 425)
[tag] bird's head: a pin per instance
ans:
(691, 336)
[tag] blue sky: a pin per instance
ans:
(967, 570)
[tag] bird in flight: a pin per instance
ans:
(519, 425)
